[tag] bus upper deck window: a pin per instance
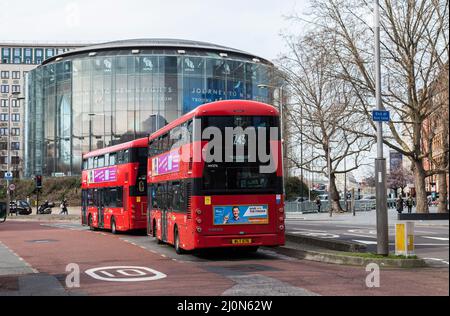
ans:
(112, 159)
(101, 161)
(91, 163)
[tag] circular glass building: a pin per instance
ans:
(110, 93)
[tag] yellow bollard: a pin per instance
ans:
(404, 239)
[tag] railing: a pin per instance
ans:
(311, 207)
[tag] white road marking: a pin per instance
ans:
(435, 238)
(356, 235)
(437, 259)
(366, 242)
(141, 274)
(318, 235)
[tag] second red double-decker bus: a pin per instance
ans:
(114, 187)
(224, 190)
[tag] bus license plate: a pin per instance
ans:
(241, 241)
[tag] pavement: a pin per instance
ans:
(431, 237)
(44, 258)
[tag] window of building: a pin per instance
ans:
(15, 117)
(16, 88)
(3, 160)
(16, 74)
(38, 55)
(4, 89)
(15, 160)
(3, 132)
(17, 55)
(5, 75)
(4, 103)
(49, 52)
(28, 53)
(60, 51)
(4, 117)
(15, 146)
(15, 103)
(6, 55)
(15, 131)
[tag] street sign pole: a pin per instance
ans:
(380, 162)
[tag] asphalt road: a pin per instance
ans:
(431, 238)
(43, 258)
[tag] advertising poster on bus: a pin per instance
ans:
(241, 214)
(167, 163)
(103, 175)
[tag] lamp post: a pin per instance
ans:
(380, 162)
(16, 97)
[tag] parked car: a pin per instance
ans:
(323, 197)
(20, 207)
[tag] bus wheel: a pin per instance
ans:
(113, 226)
(178, 248)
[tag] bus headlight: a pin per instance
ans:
(199, 212)
(199, 220)
(281, 218)
(281, 209)
(199, 229)
(281, 227)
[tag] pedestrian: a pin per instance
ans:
(319, 204)
(64, 207)
(400, 204)
(409, 204)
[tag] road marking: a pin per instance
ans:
(435, 238)
(122, 274)
(318, 235)
(366, 242)
(437, 259)
(356, 235)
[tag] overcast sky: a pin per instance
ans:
(249, 25)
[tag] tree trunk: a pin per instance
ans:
(334, 195)
(443, 191)
(419, 183)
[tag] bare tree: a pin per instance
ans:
(414, 44)
(399, 179)
(321, 106)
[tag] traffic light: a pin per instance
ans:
(38, 182)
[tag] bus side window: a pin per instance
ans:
(95, 162)
(101, 161)
(112, 159)
(120, 157)
(106, 160)
(84, 164)
(126, 156)
(91, 163)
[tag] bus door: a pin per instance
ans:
(101, 208)
(84, 204)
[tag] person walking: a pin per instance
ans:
(319, 204)
(409, 204)
(400, 204)
(64, 207)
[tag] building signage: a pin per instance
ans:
(381, 116)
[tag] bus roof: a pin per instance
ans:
(141, 142)
(222, 108)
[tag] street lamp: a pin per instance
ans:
(16, 97)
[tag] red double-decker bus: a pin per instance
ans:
(223, 198)
(114, 187)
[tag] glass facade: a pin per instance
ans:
(82, 103)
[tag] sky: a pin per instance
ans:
(250, 25)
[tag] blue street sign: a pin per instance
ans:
(381, 116)
(8, 176)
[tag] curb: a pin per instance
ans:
(349, 260)
(337, 245)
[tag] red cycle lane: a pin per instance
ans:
(50, 250)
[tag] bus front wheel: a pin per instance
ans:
(178, 248)
(113, 226)
(91, 223)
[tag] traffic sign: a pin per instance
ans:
(381, 116)
(12, 187)
(8, 175)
